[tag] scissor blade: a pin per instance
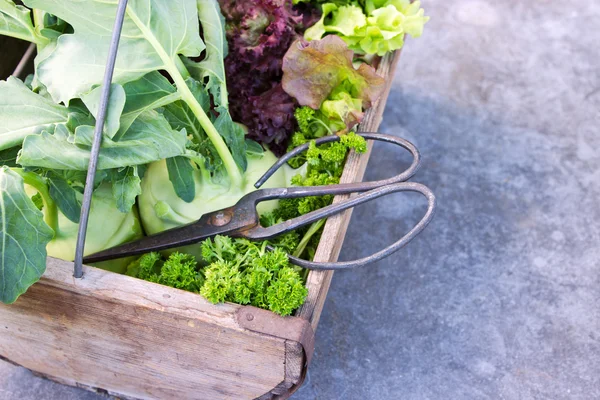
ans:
(185, 235)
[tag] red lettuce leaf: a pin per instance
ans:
(313, 70)
(259, 33)
(273, 118)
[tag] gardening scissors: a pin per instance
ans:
(242, 219)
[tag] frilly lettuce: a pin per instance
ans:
(375, 27)
(259, 32)
(320, 74)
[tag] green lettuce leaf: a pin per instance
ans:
(318, 30)
(347, 20)
(24, 236)
(377, 28)
(343, 108)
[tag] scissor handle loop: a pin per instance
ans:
(360, 199)
(369, 190)
(402, 177)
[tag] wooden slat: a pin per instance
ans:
(136, 339)
(335, 229)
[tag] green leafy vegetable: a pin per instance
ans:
(181, 175)
(115, 107)
(180, 116)
(38, 201)
(321, 75)
(145, 267)
(312, 71)
(179, 271)
(77, 62)
(24, 236)
(237, 270)
(149, 138)
(145, 94)
(286, 292)
(64, 196)
(246, 273)
(126, 186)
(23, 112)
(212, 68)
(15, 21)
(9, 157)
(371, 26)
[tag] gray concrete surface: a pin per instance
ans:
(500, 298)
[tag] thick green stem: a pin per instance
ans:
(38, 19)
(172, 67)
(318, 121)
(185, 74)
(215, 137)
(50, 208)
(224, 96)
(38, 22)
(33, 38)
(314, 228)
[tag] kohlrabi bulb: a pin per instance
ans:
(108, 227)
(161, 208)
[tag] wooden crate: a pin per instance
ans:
(134, 339)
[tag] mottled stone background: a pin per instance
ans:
(500, 297)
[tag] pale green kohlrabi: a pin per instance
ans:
(161, 208)
(107, 226)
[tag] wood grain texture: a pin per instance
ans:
(136, 339)
(335, 229)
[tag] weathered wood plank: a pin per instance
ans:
(335, 229)
(137, 339)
